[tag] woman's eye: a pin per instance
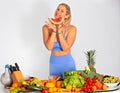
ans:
(62, 11)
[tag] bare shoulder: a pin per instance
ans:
(72, 28)
(44, 28)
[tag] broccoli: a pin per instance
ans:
(74, 81)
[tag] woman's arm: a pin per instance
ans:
(66, 43)
(48, 38)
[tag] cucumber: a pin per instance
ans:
(34, 87)
(29, 92)
(23, 91)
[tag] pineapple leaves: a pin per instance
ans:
(91, 53)
(90, 57)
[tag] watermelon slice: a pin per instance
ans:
(56, 21)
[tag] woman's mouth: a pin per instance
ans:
(57, 16)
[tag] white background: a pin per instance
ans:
(98, 27)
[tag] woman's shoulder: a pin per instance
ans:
(72, 27)
(44, 26)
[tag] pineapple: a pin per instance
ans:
(90, 60)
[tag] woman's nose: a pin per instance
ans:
(58, 12)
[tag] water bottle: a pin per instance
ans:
(6, 79)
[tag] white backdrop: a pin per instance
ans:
(98, 27)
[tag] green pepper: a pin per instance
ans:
(16, 90)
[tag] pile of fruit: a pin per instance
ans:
(35, 84)
(87, 80)
(73, 81)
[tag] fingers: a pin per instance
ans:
(50, 25)
(60, 26)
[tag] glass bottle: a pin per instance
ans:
(6, 79)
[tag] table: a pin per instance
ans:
(3, 90)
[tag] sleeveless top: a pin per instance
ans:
(57, 46)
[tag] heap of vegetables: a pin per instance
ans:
(30, 84)
(74, 81)
(87, 80)
(90, 74)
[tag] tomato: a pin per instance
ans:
(85, 78)
(88, 79)
(85, 85)
(94, 79)
(45, 91)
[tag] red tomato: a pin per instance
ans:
(85, 85)
(88, 79)
(85, 78)
(45, 91)
(95, 79)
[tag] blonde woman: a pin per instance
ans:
(59, 41)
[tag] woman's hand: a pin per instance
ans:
(51, 26)
(61, 28)
(56, 28)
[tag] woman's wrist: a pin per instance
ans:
(57, 32)
(54, 31)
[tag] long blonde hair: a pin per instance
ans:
(68, 12)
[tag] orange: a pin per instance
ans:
(59, 90)
(11, 88)
(58, 84)
(50, 84)
(15, 85)
(53, 81)
(51, 89)
(77, 90)
(94, 88)
(104, 87)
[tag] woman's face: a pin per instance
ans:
(60, 11)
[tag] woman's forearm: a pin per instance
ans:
(50, 42)
(63, 42)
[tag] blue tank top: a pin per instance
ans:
(57, 46)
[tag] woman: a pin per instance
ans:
(59, 41)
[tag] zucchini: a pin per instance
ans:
(34, 87)
(29, 92)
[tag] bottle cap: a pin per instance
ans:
(7, 66)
